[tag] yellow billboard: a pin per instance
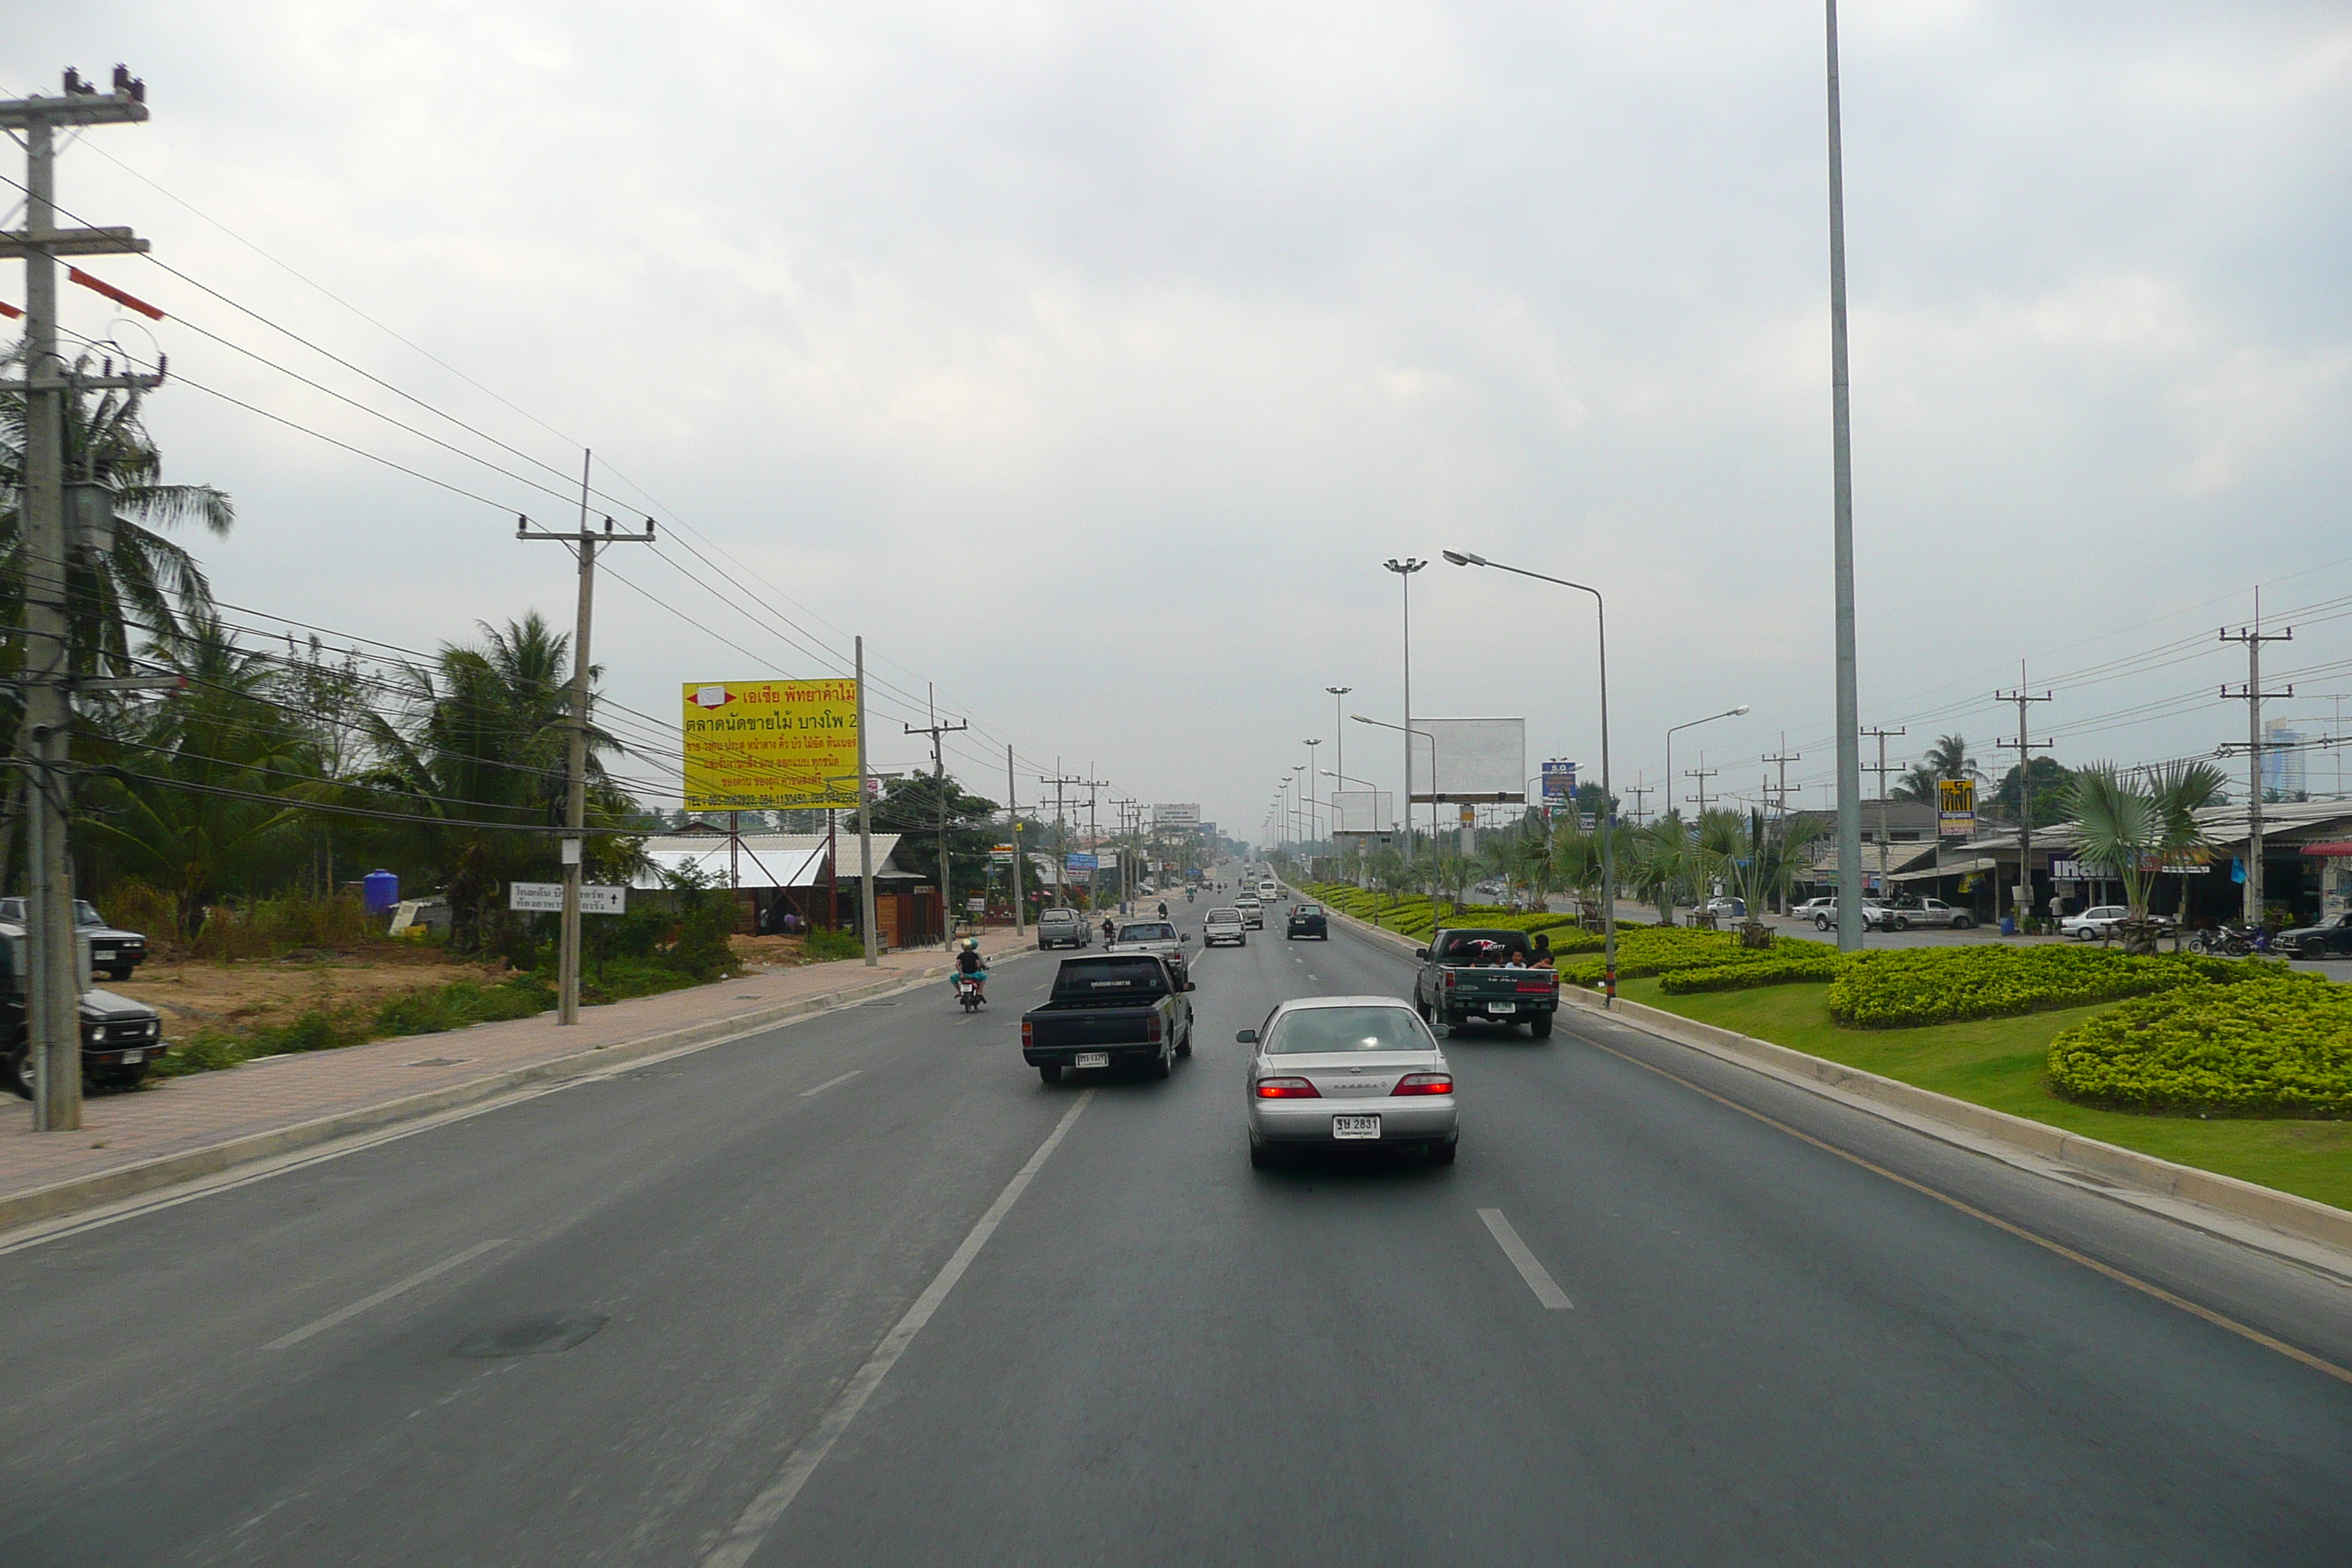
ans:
(771, 745)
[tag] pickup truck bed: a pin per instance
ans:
(1119, 1009)
(1451, 989)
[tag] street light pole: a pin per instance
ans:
(1849, 698)
(1726, 713)
(1404, 569)
(1608, 798)
(1425, 735)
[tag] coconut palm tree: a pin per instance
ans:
(1947, 759)
(2132, 830)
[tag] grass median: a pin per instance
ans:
(2003, 1064)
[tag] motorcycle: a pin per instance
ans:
(2228, 941)
(966, 989)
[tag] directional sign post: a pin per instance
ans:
(547, 899)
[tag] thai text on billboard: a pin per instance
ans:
(771, 745)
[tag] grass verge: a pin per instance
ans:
(2003, 1063)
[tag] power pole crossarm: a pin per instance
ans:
(940, 771)
(585, 544)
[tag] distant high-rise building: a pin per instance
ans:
(2282, 770)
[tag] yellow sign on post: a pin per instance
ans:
(771, 745)
(1956, 808)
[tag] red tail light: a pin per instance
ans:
(1027, 1029)
(1152, 1027)
(1537, 984)
(1424, 1083)
(1287, 1089)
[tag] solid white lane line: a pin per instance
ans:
(751, 1526)
(321, 1325)
(1538, 1278)
(830, 1082)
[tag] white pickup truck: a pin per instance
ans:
(1919, 913)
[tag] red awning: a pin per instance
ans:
(2339, 849)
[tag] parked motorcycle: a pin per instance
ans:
(2228, 941)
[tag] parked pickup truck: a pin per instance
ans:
(112, 953)
(121, 1038)
(1110, 1010)
(1456, 986)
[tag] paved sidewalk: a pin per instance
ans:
(191, 1126)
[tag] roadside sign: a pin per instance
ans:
(1001, 855)
(1956, 808)
(769, 745)
(1559, 781)
(547, 899)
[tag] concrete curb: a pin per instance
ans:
(98, 1188)
(2301, 1217)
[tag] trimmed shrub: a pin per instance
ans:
(1659, 950)
(1787, 963)
(2278, 1045)
(1914, 986)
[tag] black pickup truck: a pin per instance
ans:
(1462, 978)
(1121, 1008)
(112, 953)
(121, 1038)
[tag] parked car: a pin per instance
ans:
(1906, 913)
(112, 953)
(1307, 920)
(1222, 926)
(1818, 910)
(1328, 1070)
(1109, 1009)
(1825, 913)
(1064, 928)
(1725, 909)
(1252, 912)
(2328, 939)
(121, 1038)
(1455, 985)
(2098, 923)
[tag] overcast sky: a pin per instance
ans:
(1089, 359)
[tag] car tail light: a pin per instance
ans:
(1287, 1089)
(1027, 1030)
(1449, 977)
(1152, 1027)
(1424, 1083)
(1537, 984)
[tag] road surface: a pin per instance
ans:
(861, 1290)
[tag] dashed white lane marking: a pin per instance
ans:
(831, 1082)
(1538, 1278)
(751, 1526)
(321, 1325)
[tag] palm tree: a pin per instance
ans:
(1947, 759)
(1664, 854)
(2135, 830)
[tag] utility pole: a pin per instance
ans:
(1121, 804)
(939, 772)
(1061, 830)
(1701, 774)
(1404, 569)
(1882, 770)
(2251, 693)
(1783, 758)
(1013, 820)
(52, 1059)
(864, 826)
(2024, 746)
(1641, 791)
(584, 545)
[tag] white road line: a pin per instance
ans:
(751, 1526)
(321, 1325)
(1538, 1278)
(830, 1082)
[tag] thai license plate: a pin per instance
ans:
(1355, 1127)
(1094, 1059)
(1502, 1007)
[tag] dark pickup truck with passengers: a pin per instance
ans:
(1463, 978)
(121, 1038)
(1122, 1008)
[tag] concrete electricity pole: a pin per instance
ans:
(1013, 820)
(1849, 697)
(1882, 770)
(1058, 779)
(584, 545)
(2024, 746)
(52, 1059)
(864, 826)
(939, 769)
(2251, 693)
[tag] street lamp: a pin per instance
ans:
(1404, 569)
(1608, 801)
(1310, 788)
(1726, 713)
(1425, 735)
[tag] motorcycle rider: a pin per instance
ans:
(969, 965)
(1164, 909)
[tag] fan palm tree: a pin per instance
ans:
(2135, 830)
(1664, 853)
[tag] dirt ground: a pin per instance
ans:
(194, 992)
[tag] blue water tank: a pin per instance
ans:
(380, 890)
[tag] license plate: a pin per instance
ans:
(1502, 1007)
(132, 1058)
(1094, 1058)
(1355, 1127)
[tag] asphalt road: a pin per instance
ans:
(861, 1290)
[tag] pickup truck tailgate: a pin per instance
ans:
(1050, 1030)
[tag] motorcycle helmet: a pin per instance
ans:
(972, 944)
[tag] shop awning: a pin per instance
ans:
(1958, 868)
(2337, 850)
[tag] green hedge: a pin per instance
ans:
(1412, 916)
(1787, 963)
(1913, 986)
(1643, 950)
(2277, 1044)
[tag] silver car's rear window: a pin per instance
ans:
(1147, 934)
(1311, 1030)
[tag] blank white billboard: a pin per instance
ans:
(1476, 759)
(1363, 810)
(1176, 814)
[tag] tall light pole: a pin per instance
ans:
(1404, 569)
(1409, 734)
(1726, 713)
(1608, 800)
(1849, 700)
(1308, 774)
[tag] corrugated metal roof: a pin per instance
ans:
(763, 860)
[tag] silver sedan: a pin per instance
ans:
(1332, 1070)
